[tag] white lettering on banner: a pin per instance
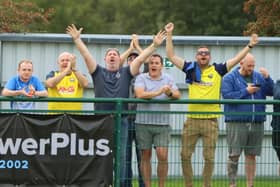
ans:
(58, 141)
(9, 144)
(29, 146)
(103, 148)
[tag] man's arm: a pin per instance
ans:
(229, 92)
(43, 93)
(142, 94)
(235, 60)
(75, 34)
(177, 61)
(126, 53)
(53, 81)
(173, 94)
(13, 93)
(7, 92)
(137, 62)
(134, 45)
(82, 79)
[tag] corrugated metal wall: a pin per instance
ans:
(43, 50)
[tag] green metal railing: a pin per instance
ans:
(119, 112)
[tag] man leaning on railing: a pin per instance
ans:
(24, 85)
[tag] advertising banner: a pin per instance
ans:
(56, 149)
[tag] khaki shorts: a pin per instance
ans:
(148, 136)
(244, 136)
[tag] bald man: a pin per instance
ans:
(67, 82)
(245, 132)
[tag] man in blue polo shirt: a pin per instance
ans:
(24, 85)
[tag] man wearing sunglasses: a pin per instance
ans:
(204, 82)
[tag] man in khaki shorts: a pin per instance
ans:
(153, 129)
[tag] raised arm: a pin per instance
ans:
(52, 81)
(126, 53)
(137, 62)
(82, 79)
(177, 61)
(75, 34)
(235, 60)
(134, 45)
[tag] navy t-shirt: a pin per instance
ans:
(110, 84)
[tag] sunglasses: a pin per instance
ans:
(203, 53)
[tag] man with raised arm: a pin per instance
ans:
(204, 82)
(113, 80)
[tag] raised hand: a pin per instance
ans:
(73, 61)
(169, 27)
(73, 31)
(159, 38)
(131, 45)
(68, 69)
(135, 40)
(254, 40)
(264, 72)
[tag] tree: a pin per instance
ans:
(267, 13)
(199, 17)
(23, 16)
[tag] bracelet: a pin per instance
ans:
(154, 45)
(250, 46)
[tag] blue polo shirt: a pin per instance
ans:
(15, 83)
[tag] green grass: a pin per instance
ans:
(259, 182)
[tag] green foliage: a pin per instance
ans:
(22, 16)
(267, 14)
(191, 17)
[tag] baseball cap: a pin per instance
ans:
(133, 54)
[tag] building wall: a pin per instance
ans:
(43, 50)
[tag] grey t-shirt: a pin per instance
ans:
(110, 84)
(145, 81)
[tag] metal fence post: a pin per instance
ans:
(117, 166)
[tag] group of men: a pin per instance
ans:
(67, 82)
(206, 81)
